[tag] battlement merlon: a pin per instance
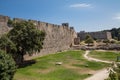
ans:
(65, 24)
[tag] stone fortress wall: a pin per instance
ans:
(58, 37)
(100, 35)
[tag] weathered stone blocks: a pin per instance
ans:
(58, 37)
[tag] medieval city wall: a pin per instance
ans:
(100, 35)
(58, 37)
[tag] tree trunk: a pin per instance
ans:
(19, 58)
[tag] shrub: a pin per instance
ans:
(7, 66)
(114, 72)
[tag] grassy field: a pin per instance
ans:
(74, 67)
(105, 55)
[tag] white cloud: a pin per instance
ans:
(82, 5)
(117, 16)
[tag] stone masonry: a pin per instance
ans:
(58, 37)
(100, 35)
(3, 24)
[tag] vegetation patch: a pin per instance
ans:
(105, 55)
(72, 67)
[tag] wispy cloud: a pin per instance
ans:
(81, 5)
(117, 16)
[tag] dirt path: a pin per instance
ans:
(94, 59)
(99, 75)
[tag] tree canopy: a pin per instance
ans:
(88, 39)
(27, 37)
(7, 45)
(7, 66)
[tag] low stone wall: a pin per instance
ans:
(101, 47)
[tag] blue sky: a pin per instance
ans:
(88, 15)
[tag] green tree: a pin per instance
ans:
(88, 40)
(26, 38)
(7, 45)
(87, 36)
(7, 66)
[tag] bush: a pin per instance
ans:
(114, 72)
(7, 66)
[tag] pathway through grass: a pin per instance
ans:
(74, 67)
(104, 55)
